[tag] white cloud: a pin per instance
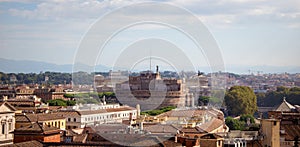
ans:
(214, 12)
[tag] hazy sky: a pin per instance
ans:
(248, 32)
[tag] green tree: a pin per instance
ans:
(67, 95)
(71, 103)
(244, 118)
(57, 102)
(203, 100)
(274, 98)
(61, 102)
(240, 100)
(282, 89)
(234, 124)
(159, 111)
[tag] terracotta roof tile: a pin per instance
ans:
(12, 108)
(291, 131)
(38, 117)
(32, 143)
(211, 125)
(36, 128)
(192, 130)
(160, 128)
(68, 113)
(80, 138)
(285, 106)
(190, 113)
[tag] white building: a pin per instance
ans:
(93, 117)
(93, 107)
(7, 120)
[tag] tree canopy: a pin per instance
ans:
(205, 100)
(159, 111)
(234, 124)
(240, 100)
(274, 98)
(61, 102)
(241, 124)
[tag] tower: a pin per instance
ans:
(138, 110)
(157, 76)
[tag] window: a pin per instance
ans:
(9, 126)
(74, 119)
(3, 128)
(69, 119)
(274, 123)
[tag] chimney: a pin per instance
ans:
(5, 98)
(138, 110)
(141, 125)
(130, 117)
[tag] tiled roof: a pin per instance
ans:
(38, 117)
(68, 113)
(211, 125)
(21, 118)
(32, 143)
(160, 128)
(119, 109)
(285, 106)
(192, 130)
(103, 128)
(147, 141)
(12, 108)
(80, 138)
(36, 128)
(183, 113)
(88, 112)
(70, 132)
(291, 131)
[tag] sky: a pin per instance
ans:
(248, 32)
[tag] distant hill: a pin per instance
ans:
(240, 69)
(28, 66)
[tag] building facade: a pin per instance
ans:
(149, 85)
(82, 118)
(37, 131)
(50, 120)
(7, 120)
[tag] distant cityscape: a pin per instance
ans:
(157, 73)
(111, 109)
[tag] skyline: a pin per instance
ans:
(249, 33)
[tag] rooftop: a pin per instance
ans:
(36, 128)
(285, 106)
(32, 143)
(38, 117)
